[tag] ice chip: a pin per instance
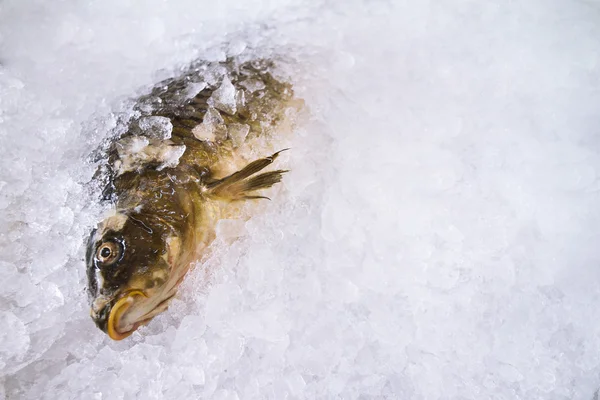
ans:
(238, 133)
(224, 98)
(52, 295)
(212, 127)
(223, 301)
(253, 85)
(194, 89)
(237, 47)
(509, 373)
(191, 328)
(296, 384)
(132, 145)
(240, 100)
(194, 375)
(156, 127)
(136, 151)
(14, 338)
(170, 156)
(65, 219)
(204, 132)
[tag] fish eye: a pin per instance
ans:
(108, 253)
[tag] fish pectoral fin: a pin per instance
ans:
(241, 184)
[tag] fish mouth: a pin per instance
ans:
(118, 310)
(123, 320)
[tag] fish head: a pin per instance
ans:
(130, 259)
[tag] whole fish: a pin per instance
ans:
(179, 167)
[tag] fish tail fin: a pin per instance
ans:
(241, 184)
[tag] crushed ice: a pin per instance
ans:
(435, 238)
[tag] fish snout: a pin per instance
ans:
(100, 312)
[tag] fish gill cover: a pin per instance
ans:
(435, 238)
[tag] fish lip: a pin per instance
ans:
(120, 305)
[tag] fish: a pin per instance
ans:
(186, 159)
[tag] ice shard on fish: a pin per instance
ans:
(183, 163)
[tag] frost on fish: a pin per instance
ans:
(185, 156)
(226, 105)
(137, 152)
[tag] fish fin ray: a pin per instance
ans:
(240, 184)
(263, 181)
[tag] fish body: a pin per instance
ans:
(183, 163)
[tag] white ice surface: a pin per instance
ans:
(437, 237)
